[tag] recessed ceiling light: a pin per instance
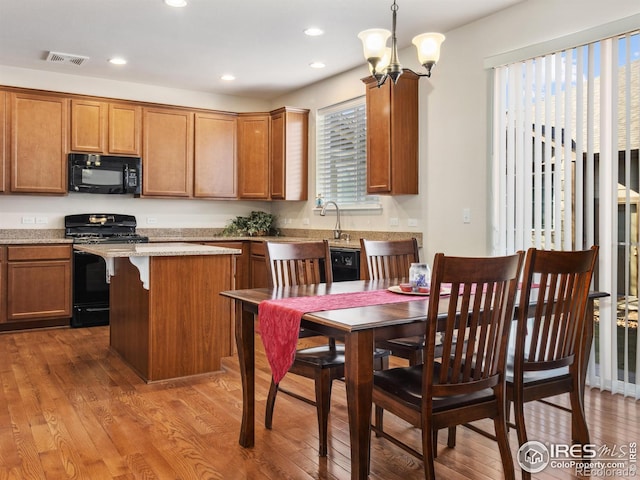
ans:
(314, 31)
(317, 65)
(227, 77)
(176, 3)
(118, 61)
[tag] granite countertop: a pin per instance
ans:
(49, 236)
(164, 249)
(32, 236)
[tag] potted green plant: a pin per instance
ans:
(254, 225)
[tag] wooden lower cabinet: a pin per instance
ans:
(241, 279)
(178, 325)
(3, 283)
(258, 266)
(37, 282)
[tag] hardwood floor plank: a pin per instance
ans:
(71, 408)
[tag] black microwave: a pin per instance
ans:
(89, 173)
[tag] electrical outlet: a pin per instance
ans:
(152, 220)
(28, 220)
(42, 220)
(394, 222)
(305, 221)
(412, 222)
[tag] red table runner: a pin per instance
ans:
(280, 320)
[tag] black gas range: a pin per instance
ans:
(90, 287)
(102, 228)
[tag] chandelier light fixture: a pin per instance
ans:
(383, 61)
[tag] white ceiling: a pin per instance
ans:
(261, 42)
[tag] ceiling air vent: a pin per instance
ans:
(58, 57)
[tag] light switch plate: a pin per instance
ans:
(466, 215)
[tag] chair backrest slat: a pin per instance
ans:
(382, 259)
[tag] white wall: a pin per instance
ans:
(454, 165)
(454, 120)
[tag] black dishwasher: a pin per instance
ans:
(345, 264)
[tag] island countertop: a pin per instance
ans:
(165, 249)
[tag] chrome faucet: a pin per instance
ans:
(337, 231)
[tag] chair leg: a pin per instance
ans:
(271, 402)
(417, 358)
(381, 363)
(379, 414)
(521, 429)
(502, 437)
(434, 436)
(323, 405)
(451, 437)
(579, 428)
(428, 449)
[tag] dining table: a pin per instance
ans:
(358, 327)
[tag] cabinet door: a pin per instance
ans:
(289, 158)
(278, 155)
(253, 156)
(3, 284)
(258, 275)
(88, 126)
(38, 143)
(379, 138)
(392, 136)
(215, 165)
(167, 165)
(4, 162)
(125, 129)
(38, 282)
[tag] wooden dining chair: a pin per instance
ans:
(548, 350)
(468, 383)
(549, 347)
(300, 263)
(385, 259)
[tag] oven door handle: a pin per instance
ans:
(98, 309)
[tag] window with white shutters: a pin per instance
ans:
(341, 158)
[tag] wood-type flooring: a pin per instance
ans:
(71, 409)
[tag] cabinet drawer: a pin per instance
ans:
(258, 248)
(44, 252)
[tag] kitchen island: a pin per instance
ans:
(166, 317)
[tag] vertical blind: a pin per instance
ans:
(566, 132)
(341, 157)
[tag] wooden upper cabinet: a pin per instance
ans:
(88, 126)
(125, 129)
(107, 128)
(289, 154)
(4, 162)
(167, 161)
(215, 159)
(253, 156)
(392, 136)
(38, 143)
